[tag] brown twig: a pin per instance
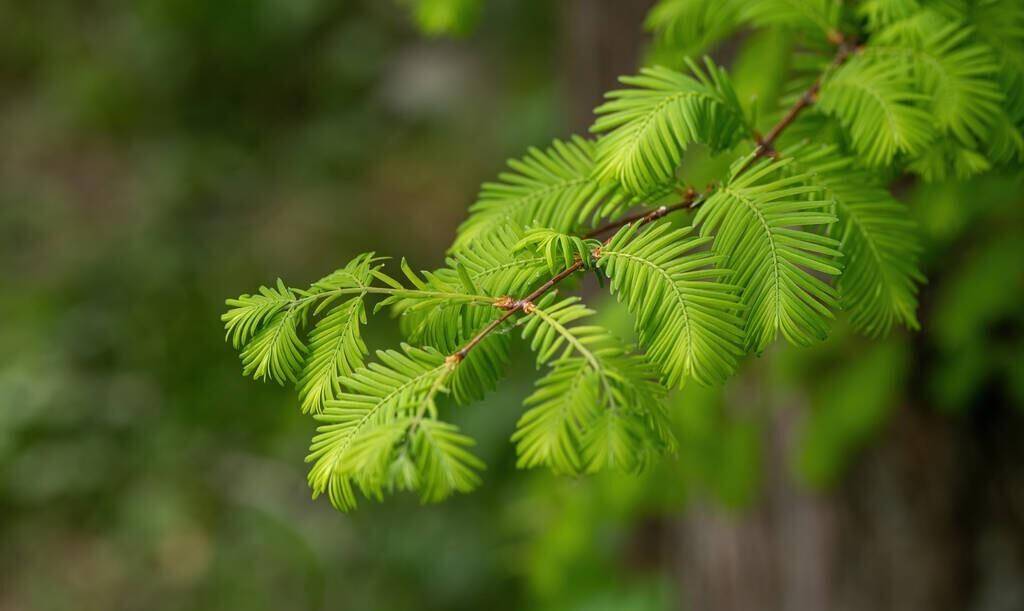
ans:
(526, 304)
(766, 145)
(765, 148)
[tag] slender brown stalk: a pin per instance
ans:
(765, 148)
(766, 145)
(511, 306)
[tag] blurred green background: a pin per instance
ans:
(159, 156)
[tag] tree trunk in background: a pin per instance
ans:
(602, 41)
(929, 517)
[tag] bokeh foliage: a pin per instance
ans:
(161, 155)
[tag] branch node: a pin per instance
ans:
(505, 303)
(527, 307)
(454, 359)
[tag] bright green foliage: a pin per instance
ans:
(558, 249)
(649, 126)
(597, 408)
(699, 23)
(878, 286)
(876, 102)
(880, 13)
(955, 74)
(266, 326)
(693, 22)
(494, 264)
(819, 15)
(687, 316)
(384, 435)
(753, 218)
(336, 348)
(793, 233)
(550, 188)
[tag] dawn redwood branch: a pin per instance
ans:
(765, 148)
(765, 145)
(526, 304)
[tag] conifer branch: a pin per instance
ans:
(691, 199)
(526, 304)
(765, 147)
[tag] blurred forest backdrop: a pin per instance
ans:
(159, 156)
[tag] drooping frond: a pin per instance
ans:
(1006, 142)
(999, 24)
(761, 224)
(336, 350)
(876, 235)
(266, 326)
(444, 461)
(947, 159)
(550, 188)
(598, 407)
(493, 264)
(649, 125)
(382, 433)
(693, 23)
(882, 13)
(819, 15)
(336, 347)
(276, 352)
(955, 74)
(250, 313)
(686, 315)
(558, 249)
(876, 102)
(446, 324)
(443, 321)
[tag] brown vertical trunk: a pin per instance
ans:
(603, 40)
(928, 518)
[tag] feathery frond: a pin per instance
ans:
(336, 350)
(493, 264)
(693, 23)
(447, 324)
(382, 434)
(558, 249)
(598, 407)
(955, 73)
(336, 347)
(882, 13)
(878, 105)
(266, 326)
(648, 126)
(550, 188)
(932, 87)
(876, 235)
(819, 15)
(761, 227)
(249, 313)
(686, 315)
(276, 352)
